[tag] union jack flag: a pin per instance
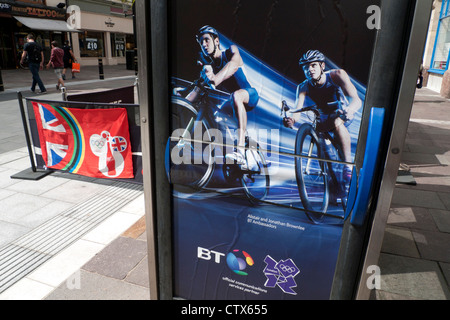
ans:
(56, 145)
(119, 144)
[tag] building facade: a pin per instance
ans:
(104, 29)
(18, 18)
(437, 49)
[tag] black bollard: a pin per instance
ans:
(2, 88)
(100, 69)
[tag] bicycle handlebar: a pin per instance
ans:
(285, 108)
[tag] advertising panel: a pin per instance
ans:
(266, 102)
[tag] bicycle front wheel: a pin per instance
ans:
(189, 162)
(255, 179)
(311, 173)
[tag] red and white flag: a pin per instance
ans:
(90, 142)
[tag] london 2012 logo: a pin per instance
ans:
(281, 273)
(238, 260)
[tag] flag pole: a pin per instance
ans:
(30, 173)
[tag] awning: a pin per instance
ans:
(46, 24)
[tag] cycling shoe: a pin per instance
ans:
(237, 158)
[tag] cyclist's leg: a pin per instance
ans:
(337, 127)
(240, 98)
(343, 140)
(244, 100)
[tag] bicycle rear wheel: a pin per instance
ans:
(189, 163)
(255, 180)
(311, 173)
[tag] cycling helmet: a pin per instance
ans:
(311, 56)
(206, 29)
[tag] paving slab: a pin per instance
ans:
(16, 206)
(38, 187)
(10, 231)
(139, 275)
(74, 191)
(411, 277)
(417, 198)
(445, 198)
(445, 267)
(433, 245)
(118, 258)
(442, 219)
(411, 217)
(399, 241)
(93, 286)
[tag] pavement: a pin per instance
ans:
(59, 238)
(52, 248)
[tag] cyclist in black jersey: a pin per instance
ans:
(328, 90)
(225, 70)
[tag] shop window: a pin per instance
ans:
(118, 44)
(91, 44)
(439, 62)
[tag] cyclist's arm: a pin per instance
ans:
(301, 96)
(229, 69)
(294, 114)
(341, 78)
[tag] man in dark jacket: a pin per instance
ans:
(33, 53)
(68, 59)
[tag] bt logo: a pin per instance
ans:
(237, 260)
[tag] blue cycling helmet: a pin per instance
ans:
(206, 29)
(311, 56)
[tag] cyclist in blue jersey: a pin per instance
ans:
(328, 90)
(224, 69)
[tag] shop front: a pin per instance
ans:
(18, 20)
(108, 37)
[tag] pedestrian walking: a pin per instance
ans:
(68, 59)
(56, 60)
(32, 52)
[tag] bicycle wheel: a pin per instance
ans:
(189, 163)
(256, 179)
(311, 173)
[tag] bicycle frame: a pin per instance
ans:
(211, 113)
(205, 103)
(320, 154)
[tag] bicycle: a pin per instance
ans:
(318, 166)
(199, 110)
